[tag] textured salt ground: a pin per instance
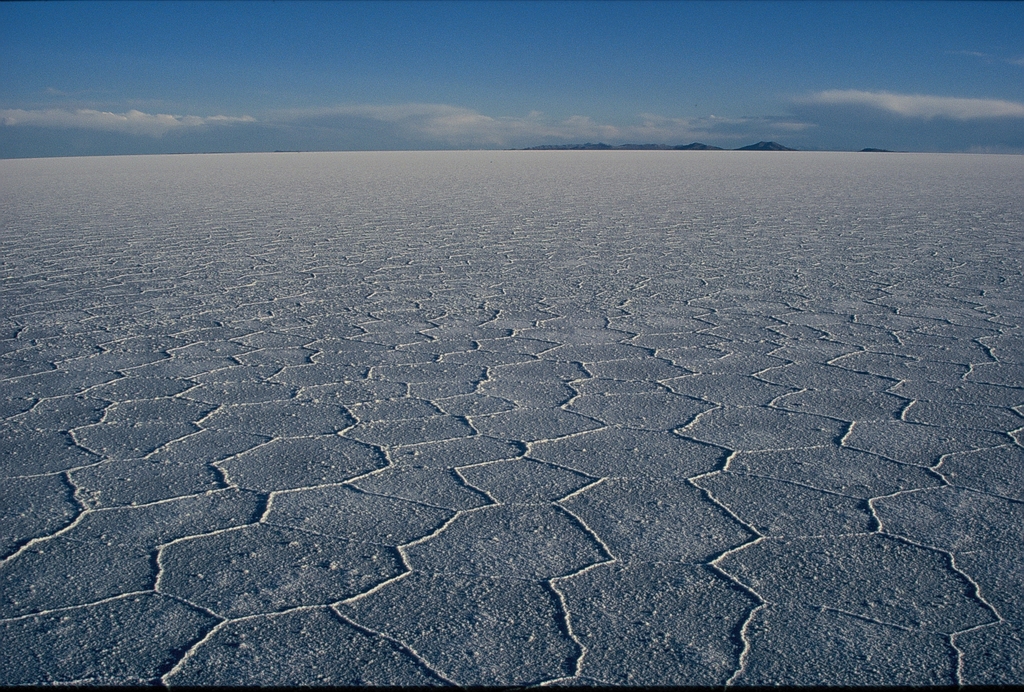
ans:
(512, 418)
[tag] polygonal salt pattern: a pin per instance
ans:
(550, 543)
(280, 418)
(649, 411)
(797, 510)
(299, 462)
(28, 452)
(347, 513)
(837, 470)
(473, 629)
(805, 642)
(62, 413)
(913, 443)
(33, 507)
(863, 575)
(850, 405)
(992, 654)
(439, 487)
(532, 425)
(265, 569)
(997, 470)
(651, 520)
(524, 480)
(750, 429)
(638, 418)
(647, 624)
(982, 533)
(297, 641)
(411, 431)
(458, 452)
(134, 639)
(61, 573)
(182, 467)
(624, 452)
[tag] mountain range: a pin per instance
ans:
(694, 146)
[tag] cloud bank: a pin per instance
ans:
(919, 106)
(834, 119)
(133, 122)
(452, 126)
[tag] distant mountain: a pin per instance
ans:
(643, 147)
(599, 146)
(693, 146)
(696, 146)
(877, 150)
(765, 146)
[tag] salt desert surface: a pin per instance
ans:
(513, 417)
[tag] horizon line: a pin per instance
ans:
(541, 149)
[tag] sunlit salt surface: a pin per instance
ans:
(512, 417)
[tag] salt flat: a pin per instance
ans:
(512, 417)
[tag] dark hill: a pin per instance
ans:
(601, 146)
(696, 146)
(877, 150)
(765, 146)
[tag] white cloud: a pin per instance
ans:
(422, 124)
(132, 122)
(464, 127)
(920, 106)
(717, 127)
(988, 57)
(970, 53)
(454, 125)
(417, 125)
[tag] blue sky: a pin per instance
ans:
(127, 77)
